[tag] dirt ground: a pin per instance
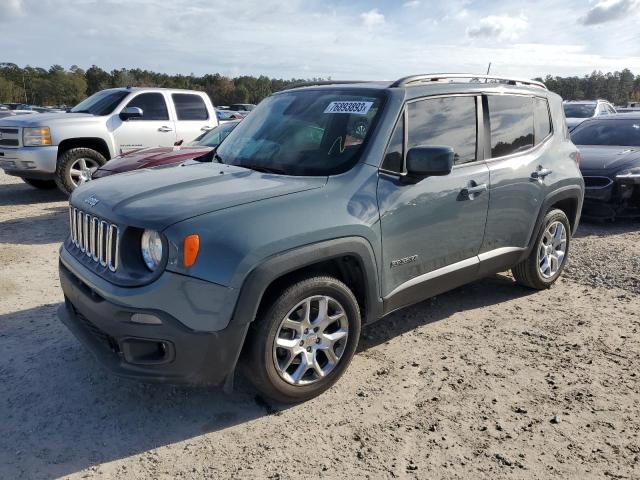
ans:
(488, 381)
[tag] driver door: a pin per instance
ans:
(153, 129)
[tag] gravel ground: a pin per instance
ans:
(488, 381)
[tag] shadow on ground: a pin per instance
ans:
(50, 227)
(63, 413)
(23, 194)
(598, 228)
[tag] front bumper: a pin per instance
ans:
(168, 352)
(606, 197)
(29, 162)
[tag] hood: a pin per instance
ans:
(573, 122)
(152, 157)
(46, 119)
(608, 158)
(159, 197)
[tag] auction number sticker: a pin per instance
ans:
(357, 108)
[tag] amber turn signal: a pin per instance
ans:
(191, 247)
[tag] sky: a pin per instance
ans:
(334, 39)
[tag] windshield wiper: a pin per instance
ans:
(263, 169)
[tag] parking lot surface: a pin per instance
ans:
(490, 380)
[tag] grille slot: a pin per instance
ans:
(10, 137)
(95, 238)
(597, 182)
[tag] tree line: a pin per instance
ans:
(60, 86)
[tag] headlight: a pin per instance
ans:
(151, 246)
(36, 136)
(631, 173)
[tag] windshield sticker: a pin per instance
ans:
(357, 108)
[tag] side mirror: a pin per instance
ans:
(432, 161)
(130, 112)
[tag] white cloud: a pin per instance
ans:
(372, 19)
(609, 10)
(411, 3)
(10, 9)
(499, 27)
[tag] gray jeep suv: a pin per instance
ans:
(327, 208)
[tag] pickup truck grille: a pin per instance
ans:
(94, 237)
(9, 137)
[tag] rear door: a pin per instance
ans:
(519, 136)
(435, 223)
(192, 116)
(154, 129)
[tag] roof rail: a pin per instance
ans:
(437, 77)
(323, 82)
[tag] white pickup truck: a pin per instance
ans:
(65, 147)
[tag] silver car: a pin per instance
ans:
(577, 112)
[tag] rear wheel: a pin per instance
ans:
(546, 261)
(75, 166)
(304, 341)
(40, 184)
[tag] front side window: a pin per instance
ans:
(190, 107)
(541, 118)
(511, 121)
(450, 121)
(608, 132)
(101, 103)
(312, 132)
(153, 106)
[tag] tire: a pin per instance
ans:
(529, 272)
(64, 178)
(262, 356)
(40, 184)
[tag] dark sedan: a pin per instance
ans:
(154, 157)
(610, 165)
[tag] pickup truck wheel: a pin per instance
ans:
(546, 261)
(304, 341)
(76, 164)
(41, 184)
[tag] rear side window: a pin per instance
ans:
(394, 158)
(449, 121)
(190, 107)
(153, 106)
(511, 120)
(541, 118)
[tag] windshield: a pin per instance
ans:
(214, 137)
(101, 103)
(316, 132)
(579, 110)
(608, 132)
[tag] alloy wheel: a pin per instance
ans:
(553, 249)
(82, 169)
(310, 340)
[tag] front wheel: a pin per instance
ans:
(546, 261)
(76, 165)
(301, 345)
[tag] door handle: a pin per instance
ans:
(205, 128)
(541, 173)
(165, 129)
(473, 190)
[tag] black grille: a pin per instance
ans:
(13, 131)
(597, 182)
(9, 142)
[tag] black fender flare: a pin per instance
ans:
(574, 192)
(263, 275)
